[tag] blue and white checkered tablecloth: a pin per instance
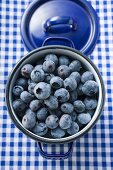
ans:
(94, 151)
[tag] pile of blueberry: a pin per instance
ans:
(56, 98)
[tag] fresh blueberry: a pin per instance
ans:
(26, 96)
(29, 111)
(35, 105)
(91, 112)
(48, 77)
(17, 90)
(79, 106)
(90, 88)
(51, 102)
(63, 60)
(22, 82)
(73, 129)
(73, 96)
(75, 66)
(37, 75)
(67, 108)
(39, 66)
(90, 103)
(52, 57)
(70, 84)
(26, 70)
(29, 119)
(19, 107)
(84, 118)
(42, 114)
(75, 76)
(31, 88)
(86, 76)
(62, 95)
(63, 71)
(30, 81)
(57, 133)
(79, 89)
(40, 129)
(56, 82)
(65, 121)
(73, 116)
(52, 121)
(42, 90)
(49, 66)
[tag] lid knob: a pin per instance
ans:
(60, 24)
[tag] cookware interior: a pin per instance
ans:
(37, 55)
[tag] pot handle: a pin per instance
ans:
(58, 41)
(60, 24)
(56, 156)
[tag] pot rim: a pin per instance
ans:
(32, 135)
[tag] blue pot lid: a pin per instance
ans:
(60, 22)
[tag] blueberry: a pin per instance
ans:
(30, 81)
(31, 88)
(42, 114)
(26, 96)
(73, 129)
(49, 66)
(56, 82)
(57, 133)
(90, 103)
(29, 119)
(29, 111)
(91, 112)
(52, 121)
(84, 118)
(62, 95)
(79, 89)
(22, 82)
(70, 84)
(48, 77)
(73, 116)
(75, 66)
(37, 75)
(79, 106)
(39, 66)
(90, 88)
(75, 76)
(63, 71)
(65, 121)
(51, 102)
(40, 129)
(26, 70)
(42, 90)
(19, 107)
(35, 105)
(86, 76)
(63, 60)
(17, 90)
(73, 96)
(52, 57)
(67, 107)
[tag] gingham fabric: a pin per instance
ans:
(94, 151)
